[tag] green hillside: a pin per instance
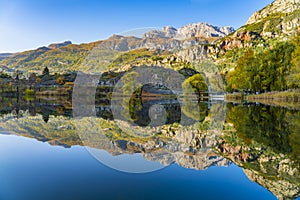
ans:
(263, 55)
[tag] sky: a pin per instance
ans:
(29, 24)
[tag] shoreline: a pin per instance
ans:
(291, 96)
(282, 96)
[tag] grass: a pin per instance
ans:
(51, 93)
(289, 99)
(234, 96)
(285, 96)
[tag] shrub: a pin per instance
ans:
(29, 92)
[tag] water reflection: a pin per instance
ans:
(263, 140)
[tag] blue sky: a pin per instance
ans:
(28, 24)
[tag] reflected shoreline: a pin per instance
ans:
(261, 139)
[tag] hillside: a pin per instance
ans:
(276, 22)
(5, 55)
(240, 57)
(62, 57)
(263, 54)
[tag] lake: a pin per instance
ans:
(155, 148)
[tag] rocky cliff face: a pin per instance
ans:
(193, 53)
(275, 171)
(185, 145)
(197, 146)
(170, 39)
(280, 17)
(191, 43)
(240, 39)
(200, 30)
(277, 21)
(166, 32)
(278, 6)
(282, 189)
(190, 40)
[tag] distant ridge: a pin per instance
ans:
(58, 45)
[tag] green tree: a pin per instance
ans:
(240, 77)
(265, 71)
(130, 87)
(195, 84)
(198, 84)
(293, 80)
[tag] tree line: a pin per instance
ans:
(276, 68)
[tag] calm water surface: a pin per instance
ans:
(250, 152)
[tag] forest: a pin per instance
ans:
(275, 68)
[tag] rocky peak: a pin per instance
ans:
(202, 30)
(278, 6)
(166, 32)
(280, 19)
(170, 31)
(227, 30)
(169, 38)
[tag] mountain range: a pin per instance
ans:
(66, 56)
(188, 45)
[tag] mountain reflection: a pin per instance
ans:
(263, 140)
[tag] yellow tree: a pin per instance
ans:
(293, 79)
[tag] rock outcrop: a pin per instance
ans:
(280, 17)
(276, 172)
(170, 39)
(202, 30)
(278, 6)
(166, 32)
(196, 53)
(240, 39)
(282, 189)
(279, 21)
